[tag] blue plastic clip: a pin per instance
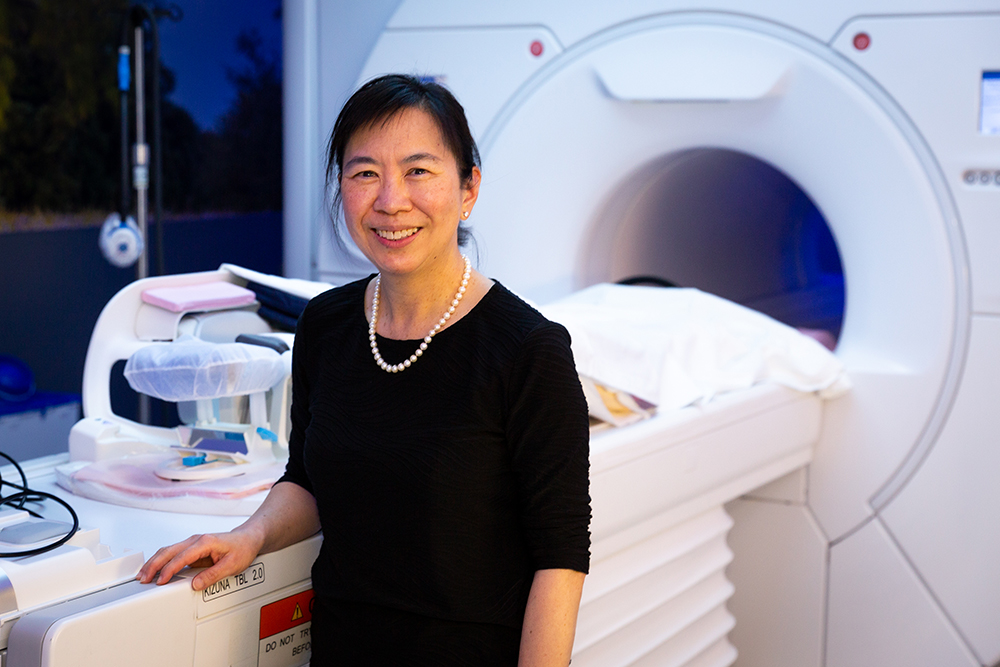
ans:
(191, 461)
(124, 71)
(267, 435)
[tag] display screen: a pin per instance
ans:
(989, 113)
(212, 440)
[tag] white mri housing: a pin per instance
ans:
(600, 152)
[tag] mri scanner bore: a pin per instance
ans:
(732, 225)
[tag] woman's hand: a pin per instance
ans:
(288, 515)
(226, 553)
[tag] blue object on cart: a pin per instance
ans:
(17, 382)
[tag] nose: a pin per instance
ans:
(393, 196)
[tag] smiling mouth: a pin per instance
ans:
(396, 235)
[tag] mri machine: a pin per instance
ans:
(677, 139)
(699, 144)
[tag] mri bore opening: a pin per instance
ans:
(730, 224)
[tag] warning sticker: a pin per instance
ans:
(284, 631)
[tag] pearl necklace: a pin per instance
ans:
(406, 363)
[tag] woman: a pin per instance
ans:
(439, 431)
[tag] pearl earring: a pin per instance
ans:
(465, 214)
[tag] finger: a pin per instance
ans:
(164, 555)
(194, 553)
(227, 565)
(161, 557)
(151, 566)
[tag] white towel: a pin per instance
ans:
(675, 347)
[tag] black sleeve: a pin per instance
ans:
(295, 469)
(549, 436)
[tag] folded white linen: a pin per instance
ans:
(678, 346)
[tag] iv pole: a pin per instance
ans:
(138, 16)
(140, 160)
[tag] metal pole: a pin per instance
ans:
(140, 177)
(140, 173)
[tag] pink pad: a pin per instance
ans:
(135, 476)
(204, 296)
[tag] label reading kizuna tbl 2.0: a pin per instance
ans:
(251, 576)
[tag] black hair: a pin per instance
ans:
(379, 101)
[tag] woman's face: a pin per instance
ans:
(402, 194)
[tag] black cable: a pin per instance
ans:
(20, 471)
(58, 543)
(26, 494)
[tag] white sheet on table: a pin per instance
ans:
(675, 347)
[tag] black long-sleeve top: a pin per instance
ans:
(443, 488)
